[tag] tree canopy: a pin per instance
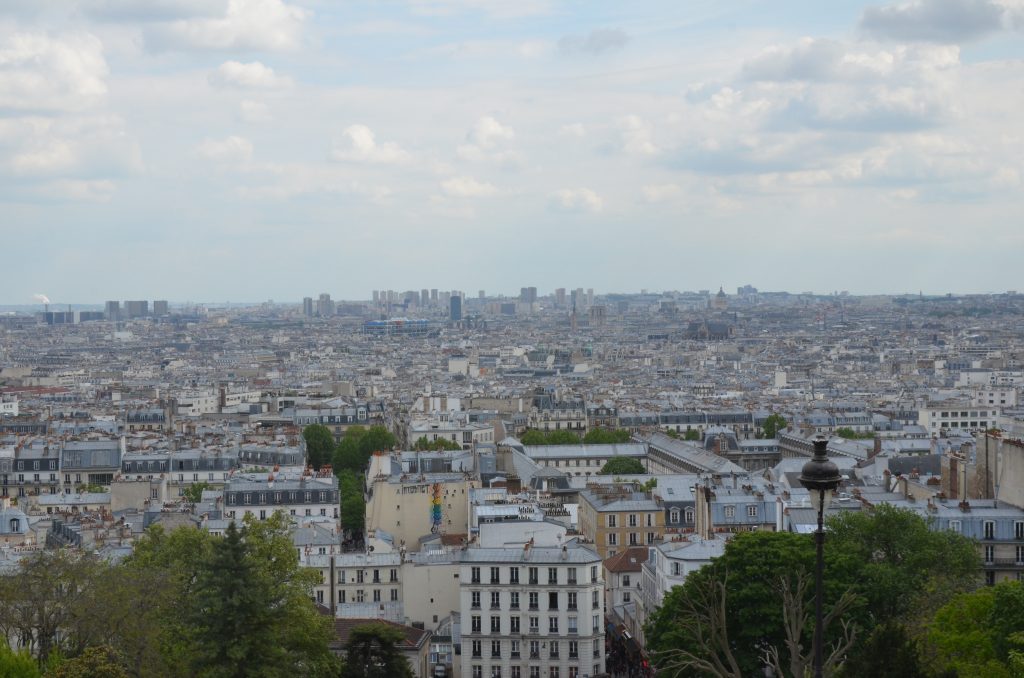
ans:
(603, 436)
(372, 652)
(622, 466)
(319, 445)
(883, 565)
(773, 423)
(440, 444)
(533, 437)
(354, 450)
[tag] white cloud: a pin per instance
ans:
(152, 10)
(40, 72)
(253, 75)
(55, 155)
(359, 144)
(245, 25)
(577, 200)
(575, 129)
(947, 21)
(99, 190)
(467, 187)
(489, 133)
(231, 150)
(597, 41)
(660, 192)
(636, 136)
(254, 112)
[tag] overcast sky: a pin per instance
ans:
(274, 149)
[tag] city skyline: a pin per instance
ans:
(194, 147)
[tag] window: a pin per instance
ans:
(597, 623)
(553, 671)
(552, 600)
(514, 624)
(571, 600)
(513, 575)
(625, 580)
(359, 576)
(633, 539)
(730, 511)
(571, 575)
(990, 529)
(673, 515)
(593, 574)
(552, 575)
(1018, 530)
(574, 649)
(534, 624)
(613, 539)
(359, 596)
(494, 575)
(632, 520)
(475, 600)
(571, 624)
(478, 671)
(552, 624)
(534, 600)
(495, 624)
(394, 575)
(514, 653)
(534, 577)
(990, 554)
(675, 569)
(955, 526)
(1020, 554)
(752, 511)
(594, 598)
(651, 537)
(534, 649)
(474, 575)
(477, 626)
(625, 597)
(612, 520)
(394, 595)
(514, 600)
(495, 648)
(535, 672)
(495, 600)
(477, 649)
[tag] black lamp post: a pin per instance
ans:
(820, 476)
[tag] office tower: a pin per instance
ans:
(160, 307)
(424, 297)
(307, 307)
(136, 309)
(433, 297)
(112, 310)
(456, 308)
(590, 296)
(324, 306)
(560, 297)
(481, 294)
(376, 296)
(532, 294)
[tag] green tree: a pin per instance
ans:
(691, 434)
(319, 445)
(622, 465)
(353, 505)
(532, 437)
(773, 423)
(850, 434)
(601, 436)
(372, 652)
(95, 662)
(959, 637)
(440, 444)
(358, 444)
(888, 652)
(20, 664)
(193, 494)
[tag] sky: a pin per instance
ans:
(248, 150)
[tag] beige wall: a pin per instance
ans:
(404, 510)
(430, 591)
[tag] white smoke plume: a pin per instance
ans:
(41, 298)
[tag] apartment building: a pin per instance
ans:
(262, 494)
(615, 517)
(957, 415)
(532, 612)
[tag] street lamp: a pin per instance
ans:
(821, 477)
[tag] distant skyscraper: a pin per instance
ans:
(456, 308)
(376, 296)
(112, 309)
(160, 307)
(307, 306)
(424, 297)
(560, 297)
(324, 306)
(433, 296)
(528, 294)
(481, 294)
(590, 296)
(136, 309)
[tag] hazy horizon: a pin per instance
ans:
(276, 149)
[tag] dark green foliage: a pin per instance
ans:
(372, 652)
(18, 664)
(354, 450)
(980, 633)
(100, 661)
(622, 466)
(773, 423)
(601, 436)
(440, 444)
(850, 434)
(533, 437)
(319, 445)
(691, 434)
(353, 505)
(888, 652)
(194, 492)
